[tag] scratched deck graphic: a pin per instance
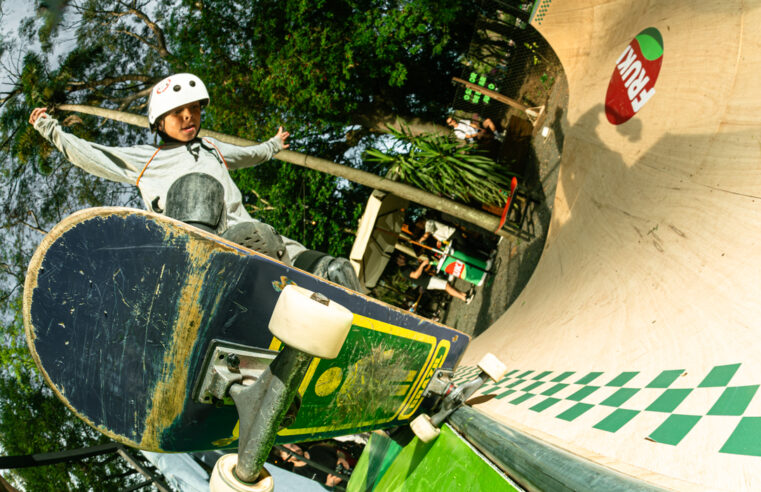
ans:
(121, 305)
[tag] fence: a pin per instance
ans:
(507, 57)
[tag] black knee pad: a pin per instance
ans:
(308, 260)
(197, 199)
(338, 270)
(260, 237)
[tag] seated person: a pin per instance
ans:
(441, 232)
(463, 129)
(423, 280)
(469, 130)
(456, 236)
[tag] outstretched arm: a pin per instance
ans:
(120, 164)
(240, 157)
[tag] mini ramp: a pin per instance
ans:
(637, 342)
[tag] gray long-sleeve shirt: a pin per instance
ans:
(153, 169)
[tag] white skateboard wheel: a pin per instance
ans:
(424, 429)
(493, 367)
(309, 325)
(223, 478)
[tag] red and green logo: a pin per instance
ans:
(633, 81)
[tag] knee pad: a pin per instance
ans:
(341, 272)
(260, 237)
(197, 199)
(338, 270)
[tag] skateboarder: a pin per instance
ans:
(187, 177)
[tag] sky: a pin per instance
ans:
(14, 11)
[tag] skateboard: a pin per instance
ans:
(138, 321)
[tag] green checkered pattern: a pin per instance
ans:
(543, 392)
(540, 11)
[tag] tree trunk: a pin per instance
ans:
(428, 200)
(380, 122)
(7, 487)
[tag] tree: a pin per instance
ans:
(33, 421)
(315, 66)
(334, 72)
(481, 177)
(329, 63)
(42, 188)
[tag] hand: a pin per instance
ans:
(283, 135)
(36, 114)
(332, 480)
(342, 461)
(290, 458)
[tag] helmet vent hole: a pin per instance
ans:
(192, 83)
(176, 88)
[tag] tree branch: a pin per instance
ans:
(35, 227)
(160, 46)
(92, 84)
(127, 100)
(10, 95)
(254, 208)
(139, 38)
(474, 216)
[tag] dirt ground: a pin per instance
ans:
(517, 257)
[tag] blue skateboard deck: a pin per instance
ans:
(121, 307)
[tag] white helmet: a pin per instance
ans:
(172, 92)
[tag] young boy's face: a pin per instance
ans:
(182, 123)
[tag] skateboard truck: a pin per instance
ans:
(262, 406)
(228, 363)
(453, 397)
(264, 402)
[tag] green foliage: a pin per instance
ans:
(395, 288)
(52, 12)
(537, 57)
(322, 63)
(303, 204)
(41, 187)
(33, 421)
(440, 164)
(15, 358)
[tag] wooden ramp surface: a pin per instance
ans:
(637, 342)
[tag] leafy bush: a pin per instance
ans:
(440, 164)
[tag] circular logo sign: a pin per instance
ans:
(164, 86)
(328, 381)
(455, 268)
(633, 82)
